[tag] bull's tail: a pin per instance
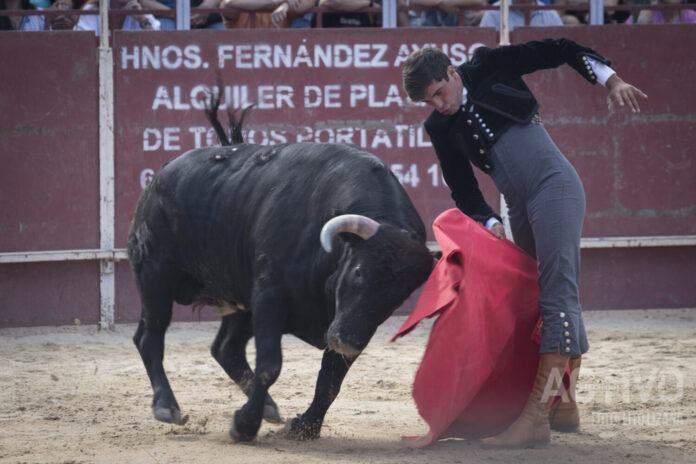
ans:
(211, 111)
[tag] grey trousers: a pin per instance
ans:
(546, 205)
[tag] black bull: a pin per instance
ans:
(242, 228)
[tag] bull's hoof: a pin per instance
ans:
(299, 429)
(237, 434)
(170, 415)
(240, 437)
(271, 414)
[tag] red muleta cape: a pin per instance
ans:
(482, 354)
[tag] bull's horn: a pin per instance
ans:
(362, 226)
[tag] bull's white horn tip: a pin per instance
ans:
(326, 245)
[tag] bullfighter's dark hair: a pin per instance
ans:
(422, 68)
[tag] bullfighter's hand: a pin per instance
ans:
(498, 230)
(623, 93)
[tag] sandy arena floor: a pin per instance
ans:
(73, 394)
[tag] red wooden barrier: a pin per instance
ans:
(49, 181)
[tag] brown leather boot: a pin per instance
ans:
(531, 429)
(565, 416)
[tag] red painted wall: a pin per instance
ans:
(323, 85)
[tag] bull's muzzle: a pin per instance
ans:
(337, 344)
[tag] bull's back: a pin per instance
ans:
(214, 210)
(245, 184)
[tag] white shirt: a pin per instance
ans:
(91, 22)
(85, 23)
(33, 22)
(491, 18)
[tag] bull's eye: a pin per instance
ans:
(357, 276)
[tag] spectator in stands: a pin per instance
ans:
(37, 22)
(134, 22)
(347, 14)
(304, 21)
(577, 17)
(198, 21)
(446, 14)
(283, 14)
(14, 23)
(537, 18)
(665, 16)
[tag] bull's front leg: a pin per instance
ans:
(267, 318)
(229, 349)
(334, 368)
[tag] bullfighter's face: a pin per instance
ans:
(445, 95)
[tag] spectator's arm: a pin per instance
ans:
(153, 5)
(347, 5)
(431, 3)
(199, 19)
(289, 10)
(402, 16)
(300, 7)
(252, 5)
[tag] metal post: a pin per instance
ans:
(183, 15)
(107, 279)
(504, 22)
(389, 14)
(596, 12)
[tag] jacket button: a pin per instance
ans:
(487, 166)
(476, 137)
(490, 134)
(468, 122)
(482, 151)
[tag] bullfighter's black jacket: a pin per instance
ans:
(497, 98)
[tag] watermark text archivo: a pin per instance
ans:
(654, 385)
